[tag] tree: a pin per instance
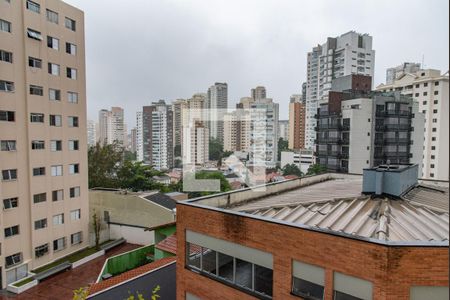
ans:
(292, 169)
(215, 149)
(283, 145)
(103, 161)
(136, 176)
(316, 169)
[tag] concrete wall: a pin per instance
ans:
(133, 235)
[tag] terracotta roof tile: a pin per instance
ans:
(102, 285)
(169, 244)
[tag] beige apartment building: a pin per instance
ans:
(430, 89)
(297, 114)
(43, 157)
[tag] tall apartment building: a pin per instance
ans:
(350, 53)
(43, 136)
(133, 139)
(258, 93)
(296, 123)
(157, 135)
(91, 133)
(139, 137)
(217, 99)
(112, 126)
(359, 129)
(177, 108)
(430, 89)
(283, 129)
(195, 137)
(394, 73)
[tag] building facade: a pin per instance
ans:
(217, 99)
(429, 88)
(394, 73)
(303, 159)
(91, 133)
(139, 136)
(258, 93)
(297, 118)
(112, 127)
(359, 129)
(350, 53)
(178, 106)
(43, 135)
(283, 129)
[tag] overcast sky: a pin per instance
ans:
(139, 51)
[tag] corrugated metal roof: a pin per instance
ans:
(379, 218)
(433, 197)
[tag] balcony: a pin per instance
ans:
(388, 113)
(403, 127)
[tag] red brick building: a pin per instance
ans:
(314, 238)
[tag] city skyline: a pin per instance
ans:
(281, 61)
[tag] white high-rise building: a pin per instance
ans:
(139, 137)
(112, 126)
(91, 133)
(161, 136)
(283, 129)
(350, 53)
(430, 89)
(395, 72)
(217, 99)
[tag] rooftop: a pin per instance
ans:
(333, 203)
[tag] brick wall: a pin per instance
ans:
(392, 270)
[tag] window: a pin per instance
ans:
(433, 157)
(56, 120)
(58, 219)
(13, 260)
(74, 168)
(73, 145)
(5, 26)
(433, 138)
(71, 48)
(41, 250)
(38, 198)
(72, 97)
(52, 42)
(36, 118)
(75, 214)
(434, 120)
(432, 166)
(39, 171)
(6, 145)
(33, 34)
(435, 101)
(9, 203)
(71, 73)
(6, 86)
(417, 95)
(431, 175)
(76, 238)
(40, 224)
(73, 121)
(74, 192)
(36, 90)
(52, 16)
(57, 170)
(8, 116)
(57, 195)
(54, 95)
(246, 268)
(33, 6)
(425, 84)
(351, 288)
(37, 145)
(34, 62)
(308, 280)
(55, 145)
(8, 175)
(435, 111)
(53, 69)
(70, 24)
(11, 231)
(59, 244)
(424, 102)
(6, 56)
(434, 129)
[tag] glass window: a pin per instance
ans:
(59, 244)
(76, 238)
(11, 231)
(38, 198)
(263, 280)
(36, 118)
(41, 250)
(9, 203)
(52, 42)
(70, 24)
(36, 90)
(54, 95)
(34, 62)
(75, 214)
(52, 16)
(37, 145)
(71, 73)
(209, 260)
(8, 145)
(307, 289)
(40, 224)
(71, 48)
(8, 175)
(193, 257)
(58, 219)
(244, 273)
(73, 121)
(55, 145)
(351, 288)
(58, 195)
(57, 170)
(55, 120)
(75, 192)
(40, 171)
(73, 145)
(226, 266)
(74, 168)
(33, 6)
(6, 86)
(72, 97)
(33, 34)
(53, 69)
(5, 26)
(13, 259)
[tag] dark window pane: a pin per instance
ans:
(193, 259)
(226, 266)
(343, 296)
(244, 273)
(306, 288)
(209, 261)
(263, 280)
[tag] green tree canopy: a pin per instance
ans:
(283, 145)
(224, 184)
(316, 169)
(103, 162)
(292, 169)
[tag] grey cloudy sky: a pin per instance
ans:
(139, 51)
